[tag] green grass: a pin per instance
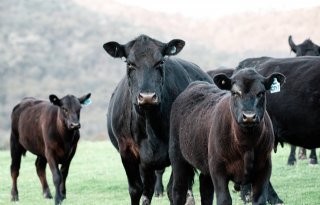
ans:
(97, 177)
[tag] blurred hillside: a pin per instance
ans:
(55, 47)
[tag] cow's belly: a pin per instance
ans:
(33, 144)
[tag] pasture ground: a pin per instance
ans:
(97, 177)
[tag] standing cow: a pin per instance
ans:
(226, 134)
(139, 109)
(295, 110)
(307, 48)
(50, 131)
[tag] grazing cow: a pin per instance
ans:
(226, 134)
(50, 131)
(294, 111)
(139, 109)
(307, 48)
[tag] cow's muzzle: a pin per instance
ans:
(147, 99)
(75, 126)
(249, 117)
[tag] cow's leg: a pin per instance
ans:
(260, 184)
(41, 164)
(131, 166)
(292, 157)
(206, 189)
(273, 197)
(302, 153)
(220, 181)
(158, 189)
(221, 188)
(56, 175)
(16, 152)
(245, 193)
(148, 181)
(64, 172)
(313, 157)
(181, 175)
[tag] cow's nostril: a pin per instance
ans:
(154, 98)
(140, 97)
(249, 117)
(147, 98)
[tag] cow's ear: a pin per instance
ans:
(292, 44)
(273, 79)
(173, 47)
(222, 81)
(55, 100)
(114, 49)
(85, 99)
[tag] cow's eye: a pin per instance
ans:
(159, 64)
(260, 94)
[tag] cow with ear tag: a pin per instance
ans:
(139, 109)
(50, 131)
(224, 133)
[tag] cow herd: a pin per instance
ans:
(166, 111)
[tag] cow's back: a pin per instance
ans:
(29, 118)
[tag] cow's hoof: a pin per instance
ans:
(145, 200)
(15, 198)
(313, 161)
(47, 195)
(291, 162)
(275, 201)
(158, 194)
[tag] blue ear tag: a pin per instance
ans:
(87, 102)
(173, 50)
(275, 86)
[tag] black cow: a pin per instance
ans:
(50, 131)
(294, 111)
(139, 109)
(227, 135)
(307, 48)
(245, 194)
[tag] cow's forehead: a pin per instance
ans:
(246, 80)
(70, 101)
(145, 49)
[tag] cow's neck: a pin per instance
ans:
(247, 137)
(152, 119)
(151, 135)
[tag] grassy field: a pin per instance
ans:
(97, 177)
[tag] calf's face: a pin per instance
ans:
(145, 58)
(69, 109)
(248, 94)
